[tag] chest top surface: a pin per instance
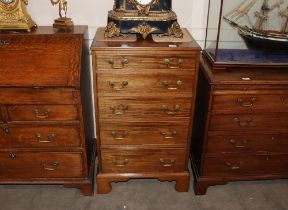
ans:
(142, 44)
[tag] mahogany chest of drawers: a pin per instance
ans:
(145, 95)
(45, 134)
(241, 126)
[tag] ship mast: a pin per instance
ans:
(284, 14)
(262, 15)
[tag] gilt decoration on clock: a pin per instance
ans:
(142, 17)
(14, 16)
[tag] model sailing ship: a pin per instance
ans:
(257, 32)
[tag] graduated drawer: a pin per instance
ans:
(143, 161)
(138, 109)
(17, 165)
(39, 95)
(39, 136)
(245, 165)
(245, 122)
(145, 84)
(246, 142)
(147, 60)
(41, 60)
(173, 134)
(42, 112)
(271, 102)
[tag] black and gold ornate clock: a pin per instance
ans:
(144, 17)
(14, 15)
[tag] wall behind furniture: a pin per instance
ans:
(191, 14)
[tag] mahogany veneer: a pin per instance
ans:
(46, 106)
(240, 130)
(145, 93)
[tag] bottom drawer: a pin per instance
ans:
(144, 161)
(40, 165)
(246, 165)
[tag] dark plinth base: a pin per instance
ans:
(104, 180)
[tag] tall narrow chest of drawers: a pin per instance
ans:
(242, 126)
(145, 94)
(45, 135)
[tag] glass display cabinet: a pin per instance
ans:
(247, 32)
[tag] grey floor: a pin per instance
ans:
(149, 195)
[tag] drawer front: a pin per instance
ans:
(221, 143)
(17, 165)
(146, 61)
(141, 161)
(172, 134)
(246, 165)
(138, 109)
(48, 60)
(39, 96)
(248, 103)
(39, 136)
(149, 84)
(247, 122)
(42, 112)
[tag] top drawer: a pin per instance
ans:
(40, 60)
(251, 101)
(145, 62)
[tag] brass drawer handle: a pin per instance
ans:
(167, 163)
(174, 112)
(242, 144)
(178, 85)
(243, 124)
(51, 137)
(284, 100)
(166, 136)
(124, 62)
(168, 62)
(6, 130)
(117, 163)
(4, 42)
(118, 88)
(119, 110)
(248, 103)
(234, 166)
(118, 136)
(50, 167)
(12, 155)
(43, 115)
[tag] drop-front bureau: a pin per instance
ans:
(241, 126)
(45, 135)
(145, 94)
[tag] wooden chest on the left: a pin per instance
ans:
(45, 134)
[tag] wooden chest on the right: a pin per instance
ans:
(241, 126)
